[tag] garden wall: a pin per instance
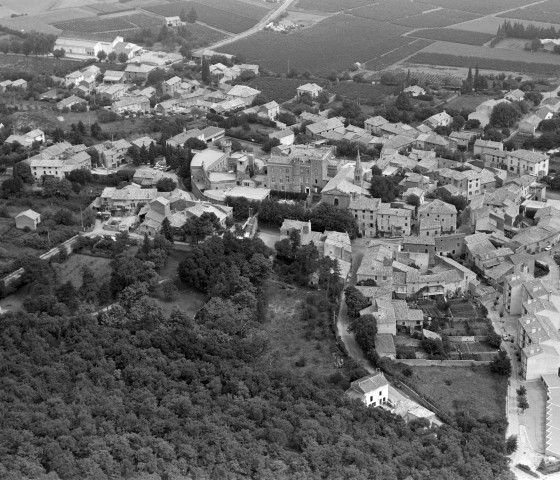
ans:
(463, 339)
(443, 363)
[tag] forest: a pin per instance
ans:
(131, 393)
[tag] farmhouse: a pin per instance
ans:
(84, 49)
(311, 89)
(27, 139)
(138, 103)
(482, 147)
(442, 119)
(242, 92)
(527, 162)
(138, 72)
(28, 219)
(372, 390)
(70, 102)
(414, 90)
(114, 76)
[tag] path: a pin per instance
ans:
(259, 26)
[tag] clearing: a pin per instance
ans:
(475, 390)
(71, 269)
(306, 347)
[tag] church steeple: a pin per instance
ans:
(358, 171)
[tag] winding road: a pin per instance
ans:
(259, 26)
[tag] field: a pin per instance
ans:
(281, 89)
(438, 18)
(322, 47)
(397, 54)
(389, 11)
(485, 63)
(482, 7)
(46, 65)
(362, 91)
(107, 8)
(533, 15)
(453, 35)
(71, 269)
(113, 24)
(331, 6)
(467, 102)
(225, 19)
(291, 340)
(475, 390)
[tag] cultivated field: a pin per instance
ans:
(468, 102)
(124, 23)
(225, 15)
(482, 7)
(107, 8)
(333, 44)
(453, 35)
(533, 15)
(438, 18)
(47, 65)
(439, 59)
(397, 54)
(331, 6)
(451, 389)
(388, 11)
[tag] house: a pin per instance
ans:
(316, 130)
(71, 101)
(112, 154)
(285, 137)
(242, 92)
(27, 139)
(364, 209)
(484, 111)
(528, 125)
(58, 160)
(5, 85)
(135, 72)
(463, 139)
(372, 390)
(346, 184)
(174, 21)
(210, 161)
(20, 84)
(442, 119)
(114, 76)
(515, 95)
(440, 212)
(85, 49)
(138, 103)
(414, 90)
(482, 147)
(125, 200)
(393, 220)
(112, 92)
(28, 219)
(144, 141)
(170, 86)
(468, 181)
(373, 124)
(545, 113)
(311, 89)
(527, 162)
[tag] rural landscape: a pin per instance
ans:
(279, 239)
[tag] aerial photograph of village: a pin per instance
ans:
(279, 239)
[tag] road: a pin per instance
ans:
(259, 26)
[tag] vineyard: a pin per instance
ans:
(387, 59)
(215, 17)
(534, 15)
(332, 44)
(482, 7)
(438, 18)
(390, 10)
(331, 6)
(107, 8)
(484, 63)
(114, 24)
(454, 36)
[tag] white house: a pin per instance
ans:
(310, 88)
(28, 219)
(372, 390)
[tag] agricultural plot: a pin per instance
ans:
(533, 15)
(362, 91)
(281, 89)
(107, 8)
(437, 18)
(323, 47)
(112, 24)
(483, 7)
(389, 10)
(71, 269)
(463, 310)
(396, 55)
(453, 35)
(46, 65)
(549, 6)
(215, 17)
(331, 6)
(236, 6)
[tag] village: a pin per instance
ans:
(444, 231)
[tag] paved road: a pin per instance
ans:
(254, 29)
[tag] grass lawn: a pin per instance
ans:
(469, 102)
(288, 339)
(71, 269)
(462, 389)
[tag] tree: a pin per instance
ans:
(185, 51)
(413, 200)
(259, 99)
(101, 55)
(166, 184)
(192, 17)
(534, 96)
(122, 57)
(197, 229)
(355, 301)
(22, 171)
(364, 329)
(152, 154)
(511, 444)
(403, 102)
(501, 364)
(206, 78)
(166, 230)
(59, 53)
(523, 403)
(384, 188)
(143, 155)
(112, 57)
(505, 115)
(12, 186)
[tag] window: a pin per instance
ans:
(336, 202)
(371, 398)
